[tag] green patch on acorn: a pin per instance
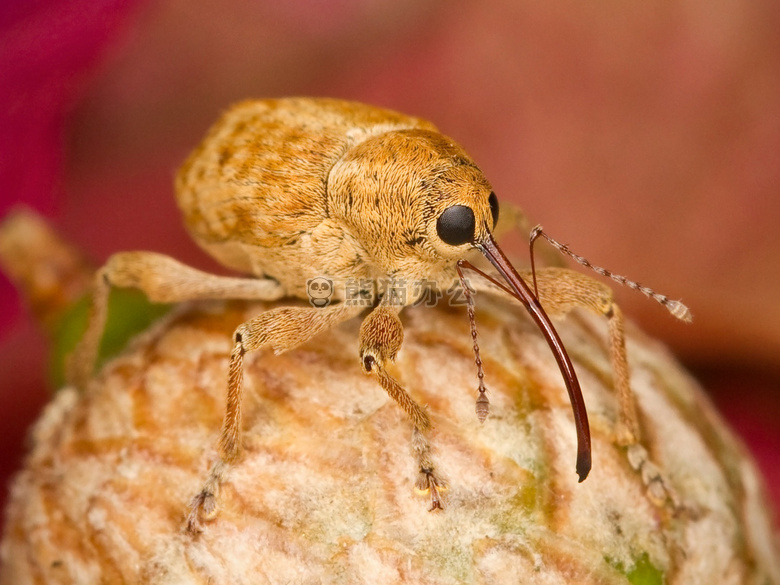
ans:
(642, 572)
(129, 313)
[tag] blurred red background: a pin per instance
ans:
(646, 135)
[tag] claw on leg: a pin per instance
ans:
(204, 505)
(659, 491)
(428, 482)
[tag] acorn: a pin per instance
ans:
(324, 491)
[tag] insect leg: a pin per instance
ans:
(163, 280)
(282, 329)
(560, 291)
(381, 336)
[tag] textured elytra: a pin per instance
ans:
(323, 490)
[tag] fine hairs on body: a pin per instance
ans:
(307, 194)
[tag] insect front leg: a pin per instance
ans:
(560, 290)
(381, 336)
(163, 280)
(281, 329)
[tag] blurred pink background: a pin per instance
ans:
(646, 135)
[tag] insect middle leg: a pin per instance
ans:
(381, 336)
(281, 329)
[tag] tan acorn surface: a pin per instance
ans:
(324, 489)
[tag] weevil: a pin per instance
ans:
(293, 190)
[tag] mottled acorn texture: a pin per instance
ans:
(321, 493)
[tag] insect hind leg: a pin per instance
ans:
(163, 280)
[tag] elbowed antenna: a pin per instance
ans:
(523, 293)
(676, 308)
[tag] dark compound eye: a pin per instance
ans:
(493, 201)
(456, 225)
